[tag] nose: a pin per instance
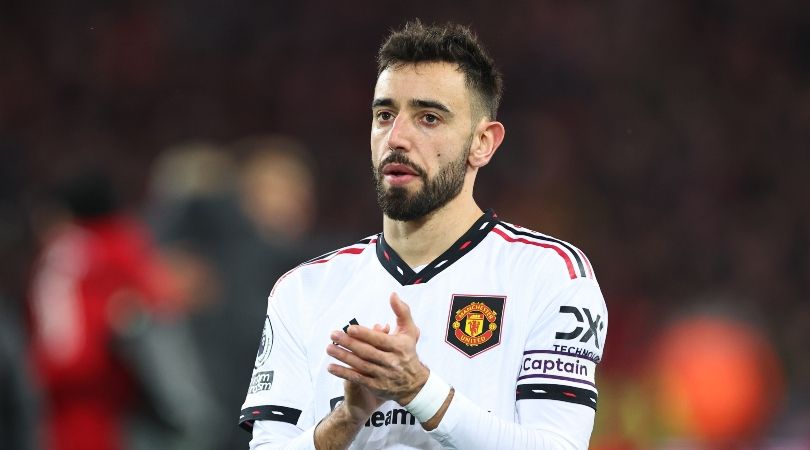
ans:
(399, 134)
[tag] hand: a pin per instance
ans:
(359, 401)
(385, 364)
(338, 429)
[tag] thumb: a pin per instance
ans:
(403, 313)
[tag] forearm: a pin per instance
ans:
(337, 430)
(464, 425)
(267, 438)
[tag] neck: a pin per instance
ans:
(421, 241)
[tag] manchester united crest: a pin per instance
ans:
(475, 322)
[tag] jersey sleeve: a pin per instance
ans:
(556, 386)
(555, 389)
(277, 409)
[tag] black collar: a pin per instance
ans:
(405, 275)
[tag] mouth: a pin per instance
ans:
(399, 174)
(398, 170)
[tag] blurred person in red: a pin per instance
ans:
(108, 340)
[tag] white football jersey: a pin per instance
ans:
(514, 320)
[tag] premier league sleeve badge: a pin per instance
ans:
(265, 344)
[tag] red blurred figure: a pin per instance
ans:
(98, 294)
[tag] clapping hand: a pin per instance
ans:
(379, 365)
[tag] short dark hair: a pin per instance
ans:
(88, 194)
(452, 43)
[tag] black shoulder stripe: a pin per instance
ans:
(268, 412)
(540, 237)
(562, 393)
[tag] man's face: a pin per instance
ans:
(421, 132)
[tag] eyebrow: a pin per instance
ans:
(382, 102)
(417, 103)
(429, 104)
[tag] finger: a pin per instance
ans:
(352, 360)
(349, 374)
(367, 344)
(403, 313)
(382, 328)
(382, 342)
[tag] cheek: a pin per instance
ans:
(375, 144)
(378, 133)
(446, 150)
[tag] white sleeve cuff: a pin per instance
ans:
(429, 399)
(454, 414)
(465, 425)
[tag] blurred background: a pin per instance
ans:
(162, 163)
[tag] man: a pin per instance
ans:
(113, 358)
(492, 332)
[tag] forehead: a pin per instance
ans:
(439, 81)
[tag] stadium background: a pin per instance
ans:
(669, 140)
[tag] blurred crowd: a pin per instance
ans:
(177, 157)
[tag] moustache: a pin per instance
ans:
(400, 158)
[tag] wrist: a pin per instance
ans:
(337, 430)
(430, 398)
(409, 398)
(351, 416)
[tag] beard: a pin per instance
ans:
(399, 204)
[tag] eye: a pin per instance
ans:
(384, 116)
(431, 119)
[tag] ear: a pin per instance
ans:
(488, 138)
